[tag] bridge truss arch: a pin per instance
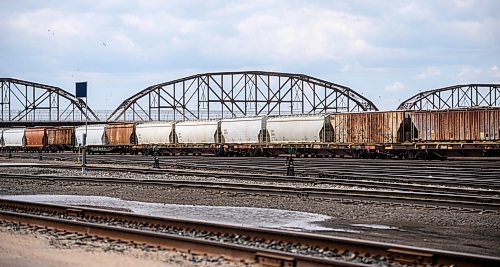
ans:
(237, 94)
(28, 101)
(458, 96)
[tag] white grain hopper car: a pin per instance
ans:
(243, 130)
(13, 138)
(197, 132)
(95, 135)
(155, 133)
(299, 129)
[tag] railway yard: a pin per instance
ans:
(312, 133)
(245, 211)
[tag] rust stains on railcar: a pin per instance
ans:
(36, 137)
(121, 134)
(60, 136)
(371, 127)
(476, 124)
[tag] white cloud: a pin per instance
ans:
(464, 3)
(495, 70)
(357, 67)
(414, 10)
(395, 87)
(468, 74)
(144, 24)
(124, 41)
(307, 34)
(427, 73)
(346, 68)
(363, 46)
(51, 22)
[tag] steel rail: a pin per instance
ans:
(382, 196)
(317, 166)
(71, 218)
(480, 175)
(272, 162)
(324, 162)
(328, 178)
(374, 183)
(265, 257)
(316, 169)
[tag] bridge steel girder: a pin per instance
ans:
(457, 96)
(237, 94)
(24, 101)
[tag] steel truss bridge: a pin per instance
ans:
(458, 96)
(23, 102)
(220, 95)
(237, 94)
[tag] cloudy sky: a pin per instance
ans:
(386, 50)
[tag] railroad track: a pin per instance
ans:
(464, 173)
(264, 246)
(476, 202)
(368, 182)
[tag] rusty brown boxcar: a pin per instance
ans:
(61, 138)
(121, 134)
(475, 124)
(371, 127)
(36, 137)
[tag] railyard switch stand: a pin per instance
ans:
(156, 163)
(289, 167)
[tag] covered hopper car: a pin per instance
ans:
(401, 134)
(13, 139)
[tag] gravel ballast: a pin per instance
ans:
(439, 228)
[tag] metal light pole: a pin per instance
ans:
(81, 92)
(84, 148)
